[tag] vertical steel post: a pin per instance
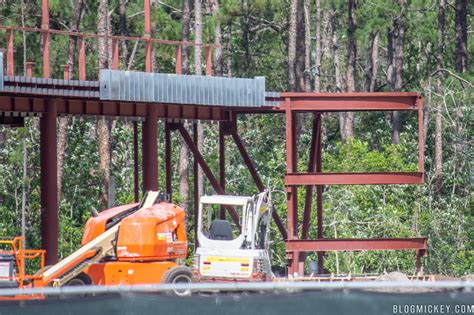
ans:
(81, 42)
(319, 194)
(168, 159)
(196, 185)
(46, 37)
(292, 191)
(49, 185)
(136, 186)
(10, 53)
(179, 60)
(115, 54)
(147, 15)
(65, 72)
(150, 148)
(222, 163)
(208, 60)
(29, 69)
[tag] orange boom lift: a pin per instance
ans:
(133, 244)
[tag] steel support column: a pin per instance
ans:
(46, 37)
(49, 184)
(149, 149)
(81, 43)
(292, 191)
(136, 185)
(10, 53)
(195, 181)
(147, 15)
(255, 176)
(206, 170)
(222, 162)
(168, 159)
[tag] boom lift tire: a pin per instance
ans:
(80, 279)
(178, 275)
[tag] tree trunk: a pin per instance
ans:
(214, 6)
(184, 151)
(123, 29)
(64, 121)
(461, 35)
(300, 52)
(229, 52)
(347, 130)
(198, 71)
(102, 125)
(246, 35)
(292, 47)
(307, 46)
(372, 63)
(335, 46)
(317, 79)
(399, 28)
(438, 168)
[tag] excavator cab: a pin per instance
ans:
(227, 253)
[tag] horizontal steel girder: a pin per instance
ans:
(353, 244)
(350, 101)
(383, 178)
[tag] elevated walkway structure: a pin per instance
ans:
(177, 98)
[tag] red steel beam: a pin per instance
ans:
(10, 53)
(255, 176)
(208, 61)
(350, 101)
(81, 42)
(46, 37)
(29, 69)
(315, 143)
(168, 159)
(222, 163)
(147, 15)
(115, 54)
(149, 149)
(418, 243)
(65, 72)
(381, 178)
(179, 60)
(205, 168)
(49, 186)
(136, 180)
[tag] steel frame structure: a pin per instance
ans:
(25, 96)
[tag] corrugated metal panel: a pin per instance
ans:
(1, 71)
(181, 89)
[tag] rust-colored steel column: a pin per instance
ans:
(81, 42)
(115, 54)
(222, 162)
(147, 15)
(136, 185)
(208, 60)
(29, 69)
(319, 194)
(179, 60)
(46, 37)
(168, 159)
(195, 185)
(150, 149)
(10, 53)
(65, 72)
(49, 185)
(292, 191)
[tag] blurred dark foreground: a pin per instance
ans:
(308, 302)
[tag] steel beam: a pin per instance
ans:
(147, 16)
(350, 101)
(81, 43)
(195, 183)
(206, 170)
(46, 37)
(179, 60)
(351, 244)
(222, 163)
(10, 53)
(168, 159)
(49, 185)
(208, 61)
(255, 176)
(380, 178)
(115, 54)
(136, 180)
(149, 149)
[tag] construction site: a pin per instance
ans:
(137, 258)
